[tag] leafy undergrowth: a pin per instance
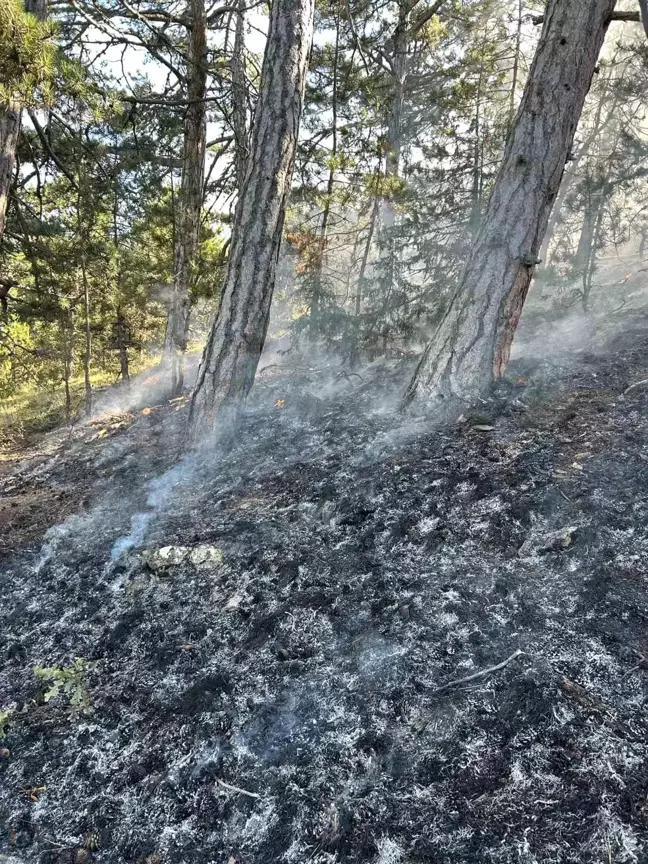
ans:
(268, 645)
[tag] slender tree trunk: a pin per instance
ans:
(10, 119)
(122, 344)
(87, 332)
(235, 343)
(643, 6)
(239, 97)
(400, 70)
(472, 344)
(394, 146)
(365, 255)
(642, 242)
(588, 243)
(187, 234)
(475, 198)
(66, 325)
(121, 328)
(316, 302)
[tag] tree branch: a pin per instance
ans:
(356, 40)
(615, 16)
(46, 146)
(423, 19)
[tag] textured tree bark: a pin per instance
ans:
(239, 97)
(235, 343)
(187, 234)
(9, 133)
(472, 344)
(10, 118)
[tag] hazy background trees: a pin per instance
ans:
(406, 113)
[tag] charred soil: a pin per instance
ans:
(275, 638)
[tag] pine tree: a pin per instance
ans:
(235, 343)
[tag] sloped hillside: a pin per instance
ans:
(349, 638)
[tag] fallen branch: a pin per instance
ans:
(348, 376)
(482, 674)
(632, 386)
(237, 789)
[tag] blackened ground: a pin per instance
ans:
(357, 563)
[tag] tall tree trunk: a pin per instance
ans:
(472, 344)
(187, 234)
(239, 97)
(475, 196)
(395, 124)
(9, 134)
(66, 327)
(400, 64)
(585, 263)
(365, 255)
(121, 329)
(235, 343)
(87, 353)
(316, 302)
(10, 118)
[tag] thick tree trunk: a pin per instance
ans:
(235, 343)
(9, 133)
(187, 234)
(472, 344)
(10, 117)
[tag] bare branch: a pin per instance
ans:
(422, 20)
(46, 146)
(482, 674)
(615, 16)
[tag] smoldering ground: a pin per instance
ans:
(282, 698)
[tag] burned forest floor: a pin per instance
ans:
(350, 637)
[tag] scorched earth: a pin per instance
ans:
(261, 655)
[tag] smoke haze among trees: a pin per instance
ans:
(127, 129)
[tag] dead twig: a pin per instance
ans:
(237, 789)
(482, 674)
(348, 376)
(632, 386)
(642, 664)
